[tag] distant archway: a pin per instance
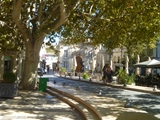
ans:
(79, 64)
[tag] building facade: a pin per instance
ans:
(83, 57)
(47, 59)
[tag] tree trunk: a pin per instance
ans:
(1, 66)
(29, 75)
(15, 63)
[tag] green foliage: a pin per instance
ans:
(9, 77)
(72, 70)
(10, 37)
(123, 77)
(112, 23)
(132, 24)
(63, 70)
(85, 76)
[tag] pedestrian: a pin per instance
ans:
(48, 69)
(158, 76)
(104, 76)
(53, 70)
(109, 74)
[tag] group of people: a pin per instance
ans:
(107, 74)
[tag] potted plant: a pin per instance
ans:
(85, 76)
(124, 78)
(8, 87)
(63, 70)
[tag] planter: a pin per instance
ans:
(133, 84)
(8, 90)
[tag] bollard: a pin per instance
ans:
(90, 79)
(100, 93)
(64, 84)
(54, 82)
(128, 104)
(155, 88)
(77, 87)
(79, 77)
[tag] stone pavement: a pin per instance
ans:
(35, 105)
(109, 108)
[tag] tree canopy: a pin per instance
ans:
(10, 38)
(30, 21)
(112, 23)
(115, 23)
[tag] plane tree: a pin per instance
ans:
(11, 43)
(34, 19)
(115, 23)
(109, 22)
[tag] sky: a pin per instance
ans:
(56, 38)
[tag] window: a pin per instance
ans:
(65, 53)
(65, 64)
(150, 52)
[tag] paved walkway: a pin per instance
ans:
(35, 105)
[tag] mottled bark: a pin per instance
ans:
(15, 63)
(46, 22)
(1, 66)
(29, 75)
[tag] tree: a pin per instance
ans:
(109, 22)
(11, 43)
(35, 19)
(10, 38)
(115, 23)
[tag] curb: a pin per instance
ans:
(115, 86)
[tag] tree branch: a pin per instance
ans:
(40, 10)
(16, 15)
(64, 14)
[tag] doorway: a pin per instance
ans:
(79, 64)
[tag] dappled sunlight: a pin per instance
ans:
(157, 115)
(109, 117)
(109, 108)
(14, 114)
(135, 116)
(57, 117)
(35, 105)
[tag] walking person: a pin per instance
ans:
(48, 68)
(104, 77)
(109, 74)
(53, 70)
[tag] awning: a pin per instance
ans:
(147, 64)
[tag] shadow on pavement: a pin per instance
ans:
(135, 116)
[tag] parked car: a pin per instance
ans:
(40, 71)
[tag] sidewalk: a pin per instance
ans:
(35, 105)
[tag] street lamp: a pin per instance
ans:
(121, 56)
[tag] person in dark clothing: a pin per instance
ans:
(109, 74)
(158, 76)
(48, 69)
(104, 77)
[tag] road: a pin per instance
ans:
(144, 101)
